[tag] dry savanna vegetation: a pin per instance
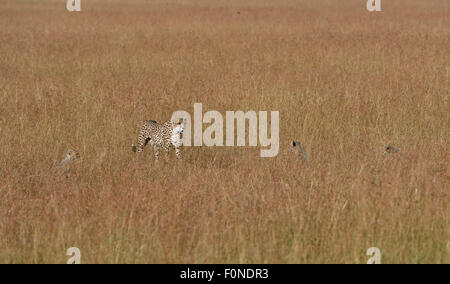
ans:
(346, 83)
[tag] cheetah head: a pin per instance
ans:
(178, 127)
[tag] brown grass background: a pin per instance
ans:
(345, 81)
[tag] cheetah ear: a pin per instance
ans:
(293, 143)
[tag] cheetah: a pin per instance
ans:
(160, 135)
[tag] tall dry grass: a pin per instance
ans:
(345, 81)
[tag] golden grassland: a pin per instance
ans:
(345, 81)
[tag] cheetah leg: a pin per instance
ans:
(156, 149)
(142, 141)
(166, 149)
(178, 152)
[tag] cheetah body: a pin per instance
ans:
(159, 135)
